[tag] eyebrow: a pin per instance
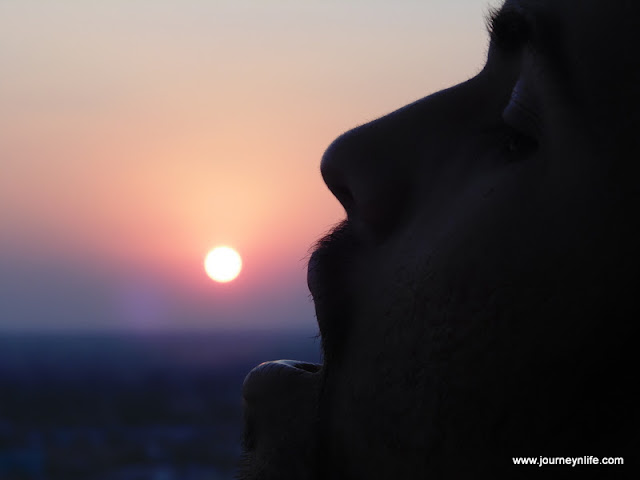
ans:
(509, 28)
(513, 27)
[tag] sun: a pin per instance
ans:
(223, 264)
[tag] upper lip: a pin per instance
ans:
(312, 274)
(327, 264)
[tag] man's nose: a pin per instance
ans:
(378, 170)
(368, 169)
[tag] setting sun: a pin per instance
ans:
(223, 264)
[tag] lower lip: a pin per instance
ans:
(275, 377)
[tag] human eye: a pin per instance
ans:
(521, 122)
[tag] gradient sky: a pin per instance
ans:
(136, 135)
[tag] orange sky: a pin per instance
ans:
(136, 135)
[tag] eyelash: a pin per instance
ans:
(517, 144)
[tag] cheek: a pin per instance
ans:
(472, 282)
(371, 399)
(453, 285)
(496, 283)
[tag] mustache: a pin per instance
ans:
(339, 234)
(328, 277)
(328, 262)
(332, 253)
(328, 271)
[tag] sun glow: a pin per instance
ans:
(223, 264)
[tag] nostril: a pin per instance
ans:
(344, 197)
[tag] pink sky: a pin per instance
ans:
(137, 135)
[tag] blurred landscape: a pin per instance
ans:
(158, 406)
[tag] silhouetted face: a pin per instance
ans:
(473, 306)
